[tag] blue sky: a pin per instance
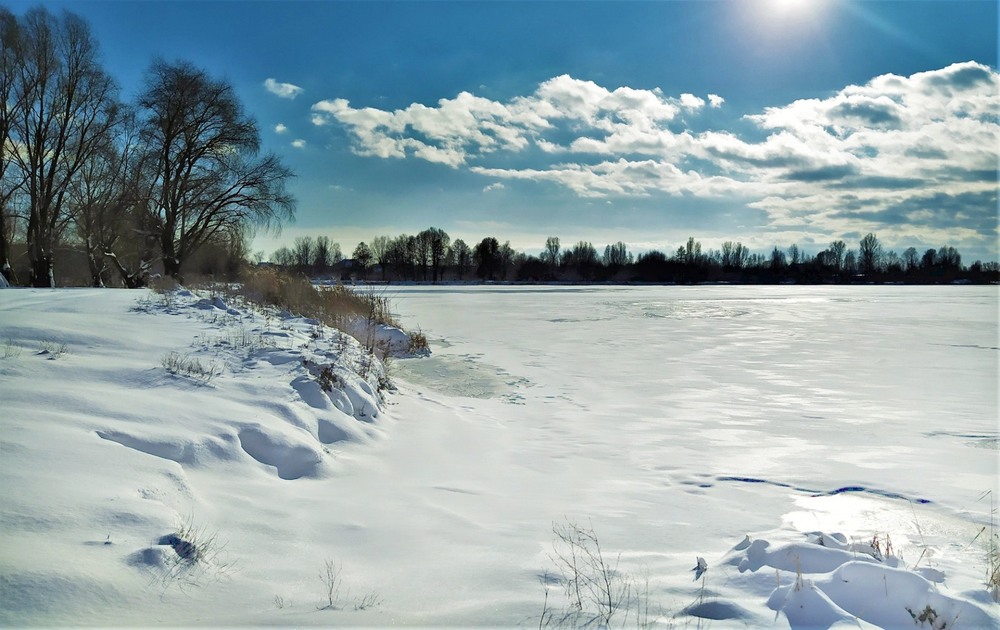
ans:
(771, 122)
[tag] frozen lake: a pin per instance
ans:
(672, 421)
(869, 391)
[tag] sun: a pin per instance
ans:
(792, 11)
(791, 6)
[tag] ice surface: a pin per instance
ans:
(673, 421)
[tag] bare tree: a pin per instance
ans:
(321, 254)
(59, 108)
(581, 258)
(837, 249)
(869, 254)
(948, 258)
(778, 260)
(439, 242)
(105, 205)
(401, 254)
(551, 253)
(207, 174)
(424, 245)
(283, 256)
(850, 264)
(92, 208)
(692, 251)
(617, 256)
(892, 263)
(461, 256)
(380, 247)
(10, 178)
(362, 258)
(794, 255)
(303, 252)
(508, 259)
(727, 255)
(734, 255)
(487, 257)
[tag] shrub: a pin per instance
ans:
(177, 363)
(418, 343)
(597, 593)
(332, 580)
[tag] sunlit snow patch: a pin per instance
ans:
(825, 580)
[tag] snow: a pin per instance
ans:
(766, 436)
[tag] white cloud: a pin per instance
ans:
(469, 127)
(494, 186)
(299, 143)
(690, 101)
(283, 90)
(280, 128)
(896, 148)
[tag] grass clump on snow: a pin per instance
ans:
(52, 348)
(358, 313)
(334, 306)
(177, 363)
(10, 349)
(198, 555)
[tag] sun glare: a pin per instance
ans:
(787, 12)
(792, 6)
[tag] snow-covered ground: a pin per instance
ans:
(774, 432)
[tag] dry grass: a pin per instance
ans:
(10, 349)
(992, 548)
(176, 363)
(336, 306)
(418, 342)
(53, 348)
(199, 556)
(597, 593)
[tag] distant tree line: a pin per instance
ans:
(175, 180)
(432, 256)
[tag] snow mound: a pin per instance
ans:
(179, 449)
(388, 340)
(290, 455)
(212, 303)
(836, 582)
(719, 610)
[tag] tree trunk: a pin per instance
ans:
(171, 264)
(131, 280)
(8, 272)
(5, 267)
(42, 273)
(172, 268)
(96, 272)
(96, 268)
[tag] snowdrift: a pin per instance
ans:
(829, 581)
(122, 417)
